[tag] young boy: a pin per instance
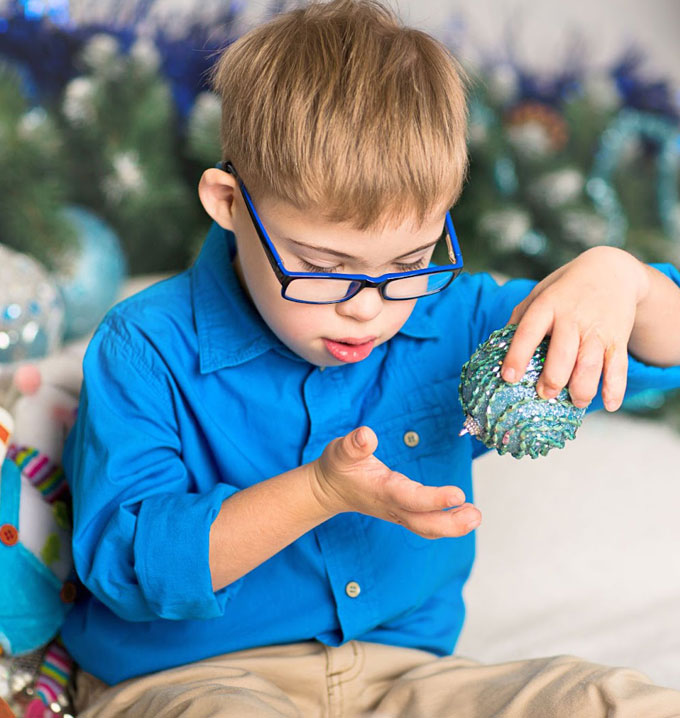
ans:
(266, 449)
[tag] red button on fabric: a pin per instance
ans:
(8, 534)
(68, 592)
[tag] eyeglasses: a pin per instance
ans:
(323, 288)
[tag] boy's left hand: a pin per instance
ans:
(588, 308)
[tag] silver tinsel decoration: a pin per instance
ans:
(18, 677)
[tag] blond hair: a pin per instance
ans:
(339, 109)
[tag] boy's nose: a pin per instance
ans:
(364, 306)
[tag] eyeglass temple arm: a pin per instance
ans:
(449, 245)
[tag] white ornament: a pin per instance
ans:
(204, 125)
(531, 139)
(602, 92)
(145, 54)
(503, 83)
(586, 228)
(31, 311)
(127, 176)
(32, 123)
(101, 50)
(507, 226)
(79, 101)
(559, 187)
(36, 127)
(477, 133)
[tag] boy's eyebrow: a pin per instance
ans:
(342, 255)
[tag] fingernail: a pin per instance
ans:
(356, 438)
(473, 524)
(509, 374)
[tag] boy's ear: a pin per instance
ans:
(216, 190)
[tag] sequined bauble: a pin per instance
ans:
(31, 310)
(513, 418)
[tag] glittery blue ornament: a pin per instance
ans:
(89, 276)
(513, 418)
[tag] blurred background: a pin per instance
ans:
(106, 123)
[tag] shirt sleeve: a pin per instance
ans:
(493, 304)
(140, 528)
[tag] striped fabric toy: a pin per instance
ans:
(57, 666)
(43, 473)
(50, 686)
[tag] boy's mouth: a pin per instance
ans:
(349, 349)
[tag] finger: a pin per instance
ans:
(356, 445)
(615, 375)
(531, 331)
(587, 371)
(519, 310)
(410, 495)
(438, 524)
(560, 359)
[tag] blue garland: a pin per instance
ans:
(665, 134)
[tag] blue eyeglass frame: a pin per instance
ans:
(285, 277)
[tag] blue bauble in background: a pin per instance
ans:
(89, 275)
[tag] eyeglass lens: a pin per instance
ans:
(325, 289)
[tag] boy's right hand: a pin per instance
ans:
(347, 477)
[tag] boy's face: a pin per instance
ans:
(325, 334)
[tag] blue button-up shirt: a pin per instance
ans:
(189, 397)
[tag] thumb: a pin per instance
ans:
(358, 444)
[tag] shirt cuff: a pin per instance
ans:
(645, 376)
(171, 547)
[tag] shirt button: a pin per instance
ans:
(68, 592)
(8, 534)
(411, 439)
(352, 589)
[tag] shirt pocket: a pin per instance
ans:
(423, 443)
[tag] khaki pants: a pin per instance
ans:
(357, 679)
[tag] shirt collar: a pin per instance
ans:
(421, 324)
(230, 330)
